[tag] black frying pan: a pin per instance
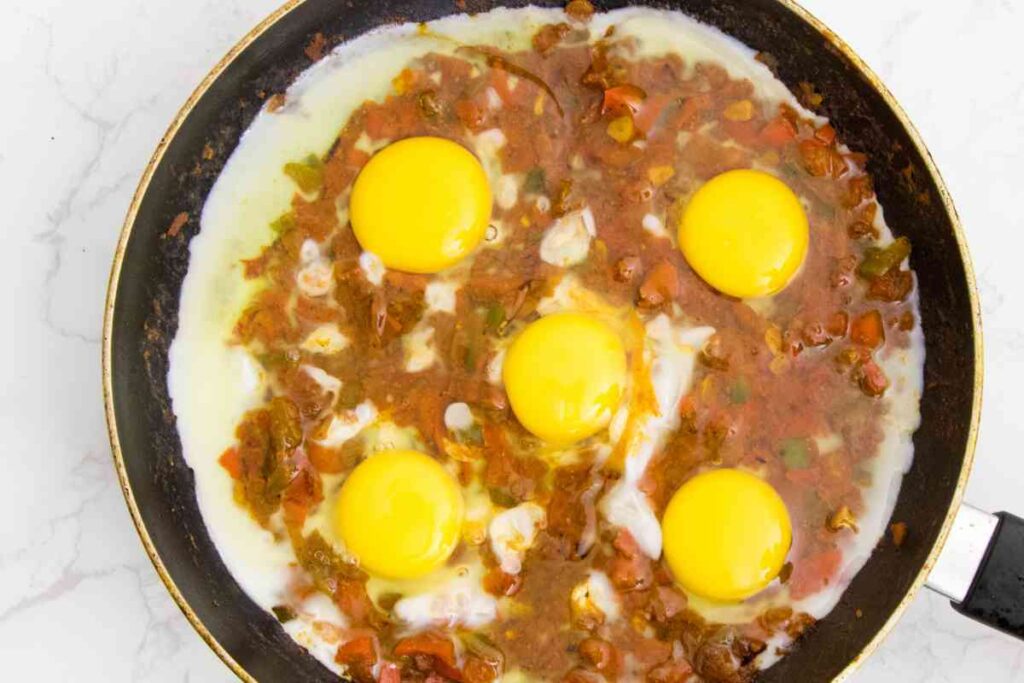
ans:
(151, 260)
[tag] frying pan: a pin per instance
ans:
(152, 257)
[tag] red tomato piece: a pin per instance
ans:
(600, 655)
(778, 132)
(873, 381)
(389, 673)
(622, 99)
(867, 330)
(359, 655)
(433, 645)
(827, 134)
(232, 462)
(302, 493)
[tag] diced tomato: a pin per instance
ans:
(778, 132)
(813, 573)
(827, 134)
(631, 573)
(359, 655)
(822, 160)
(324, 459)
(814, 334)
(253, 267)
(665, 603)
(623, 99)
(361, 648)
(867, 330)
(661, 285)
(433, 645)
(630, 569)
(600, 655)
(838, 323)
(894, 285)
(304, 491)
(407, 118)
(859, 189)
(389, 673)
(872, 380)
(356, 157)
(232, 462)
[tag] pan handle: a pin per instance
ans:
(981, 569)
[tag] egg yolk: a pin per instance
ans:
(400, 514)
(726, 534)
(564, 376)
(421, 204)
(745, 233)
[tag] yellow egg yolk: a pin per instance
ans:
(726, 535)
(400, 514)
(421, 204)
(745, 233)
(564, 376)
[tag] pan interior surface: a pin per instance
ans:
(151, 265)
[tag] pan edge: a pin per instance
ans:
(271, 20)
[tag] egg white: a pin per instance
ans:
(512, 533)
(567, 241)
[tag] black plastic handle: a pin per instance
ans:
(996, 598)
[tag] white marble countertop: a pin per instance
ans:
(90, 89)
